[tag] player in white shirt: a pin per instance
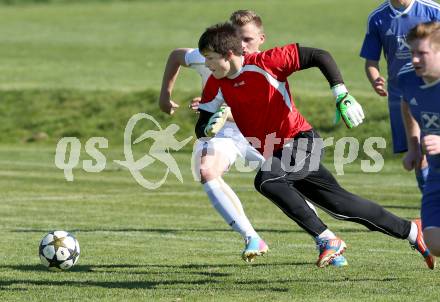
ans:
(214, 157)
(228, 140)
(222, 151)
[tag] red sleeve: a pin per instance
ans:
(279, 61)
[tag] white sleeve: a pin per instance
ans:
(214, 104)
(196, 61)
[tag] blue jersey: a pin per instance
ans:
(424, 102)
(387, 28)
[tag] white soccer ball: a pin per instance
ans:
(59, 250)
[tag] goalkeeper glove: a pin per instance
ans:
(347, 108)
(217, 121)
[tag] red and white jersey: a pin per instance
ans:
(259, 98)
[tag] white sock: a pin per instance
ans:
(327, 234)
(412, 237)
(228, 205)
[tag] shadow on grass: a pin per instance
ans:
(167, 272)
(41, 268)
(183, 230)
(254, 283)
(177, 277)
(402, 207)
(105, 284)
(125, 269)
(164, 267)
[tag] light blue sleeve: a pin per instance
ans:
(437, 15)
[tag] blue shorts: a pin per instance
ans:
(431, 200)
(396, 121)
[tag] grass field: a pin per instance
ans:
(169, 245)
(82, 68)
(68, 61)
(123, 45)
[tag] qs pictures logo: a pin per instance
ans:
(159, 151)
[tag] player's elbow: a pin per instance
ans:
(323, 53)
(322, 57)
(371, 63)
(372, 68)
(177, 57)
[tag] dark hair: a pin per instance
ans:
(429, 30)
(244, 16)
(221, 38)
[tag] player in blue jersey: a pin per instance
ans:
(420, 85)
(387, 27)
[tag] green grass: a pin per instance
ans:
(60, 113)
(170, 245)
(123, 45)
(82, 69)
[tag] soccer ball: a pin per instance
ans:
(59, 250)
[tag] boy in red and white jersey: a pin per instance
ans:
(212, 159)
(255, 87)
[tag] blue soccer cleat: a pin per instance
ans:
(255, 246)
(329, 249)
(339, 261)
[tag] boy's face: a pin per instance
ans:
(252, 38)
(426, 59)
(400, 3)
(219, 65)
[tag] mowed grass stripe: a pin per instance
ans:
(169, 243)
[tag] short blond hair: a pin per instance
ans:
(243, 16)
(429, 30)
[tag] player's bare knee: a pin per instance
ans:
(434, 247)
(432, 236)
(208, 172)
(212, 166)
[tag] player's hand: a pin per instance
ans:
(168, 106)
(431, 144)
(379, 86)
(217, 121)
(414, 159)
(349, 110)
(195, 104)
